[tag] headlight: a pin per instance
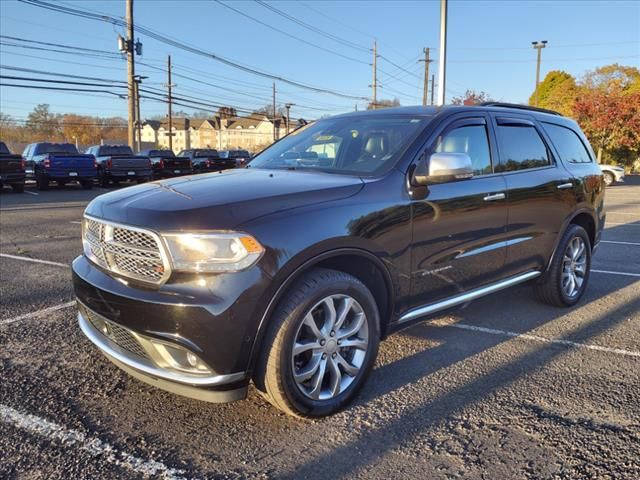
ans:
(212, 252)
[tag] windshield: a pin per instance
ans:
(360, 145)
(55, 148)
(206, 153)
(115, 150)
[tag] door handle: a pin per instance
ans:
(494, 196)
(564, 186)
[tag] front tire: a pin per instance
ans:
(18, 187)
(566, 280)
(42, 183)
(321, 345)
(609, 179)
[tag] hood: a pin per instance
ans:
(220, 200)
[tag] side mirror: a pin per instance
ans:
(442, 167)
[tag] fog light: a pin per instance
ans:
(178, 358)
(192, 359)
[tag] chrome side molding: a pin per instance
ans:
(467, 297)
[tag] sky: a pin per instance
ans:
(489, 49)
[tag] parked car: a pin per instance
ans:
(206, 160)
(165, 164)
(290, 272)
(240, 157)
(59, 162)
(11, 169)
(118, 163)
(612, 174)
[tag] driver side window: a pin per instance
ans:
(472, 140)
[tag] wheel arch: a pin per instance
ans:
(584, 218)
(360, 263)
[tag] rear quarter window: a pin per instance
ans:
(568, 143)
(521, 148)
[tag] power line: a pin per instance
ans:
(335, 38)
(92, 50)
(183, 46)
(333, 52)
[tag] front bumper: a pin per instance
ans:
(210, 316)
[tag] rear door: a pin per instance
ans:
(540, 191)
(459, 227)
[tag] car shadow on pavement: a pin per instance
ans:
(373, 444)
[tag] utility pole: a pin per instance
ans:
(538, 46)
(169, 86)
(426, 75)
(288, 107)
(433, 84)
(273, 119)
(131, 71)
(442, 65)
(374, 85)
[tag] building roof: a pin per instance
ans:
(155, 124)
(246, 122)
(177, 123)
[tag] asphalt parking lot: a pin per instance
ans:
(503, 388)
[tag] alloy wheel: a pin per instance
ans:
(574, 267)
(330, 347)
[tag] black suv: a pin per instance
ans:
(290, 272)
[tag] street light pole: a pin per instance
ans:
(442, 68)
(138, 80)
(538, 46)
(288, 107)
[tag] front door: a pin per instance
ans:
(459, 227)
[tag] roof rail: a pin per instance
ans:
(521, 107)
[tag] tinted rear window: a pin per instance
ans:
(206, 153)
(160, 153)
(115, 150)
(520, 148)
(55, 148)
(238, 153)
(569, 145)
(3, 149)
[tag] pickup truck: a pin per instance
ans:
(240, 157)
(11, 169)
(60, 162)
(207, 160)
(165, 164)
(118, 162)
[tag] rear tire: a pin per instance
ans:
(337, 346)
(609, 179)
(87, 184)
(103, 181)
(566, 280)
(42, 183)
(18, 187)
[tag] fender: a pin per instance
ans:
(299, 270)
(565, 225)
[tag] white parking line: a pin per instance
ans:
(620, 243)
(536, 338)
(38, 313)
(90, 444)
(610, 212)
(626, 274)
(31, 193)
(34, 260)
(76, 221)
(623, 224)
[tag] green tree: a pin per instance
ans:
(558, 91)
(42, 123)
(612, 79)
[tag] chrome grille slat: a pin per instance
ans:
(127, 251)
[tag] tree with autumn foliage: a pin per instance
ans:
(606, 104)
(471, 97)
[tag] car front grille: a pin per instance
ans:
(128, 251)
(121, 336)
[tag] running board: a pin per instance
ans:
(466, 297)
